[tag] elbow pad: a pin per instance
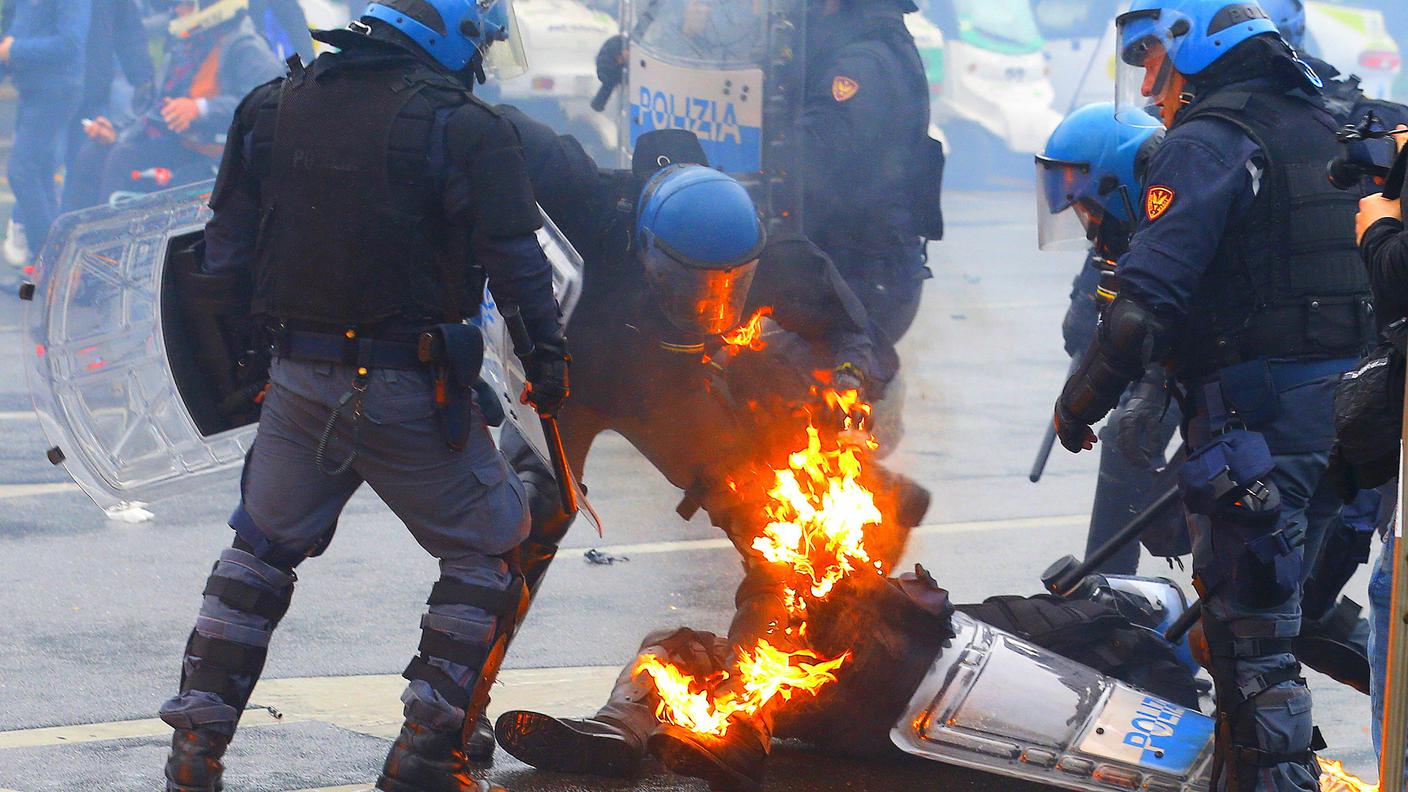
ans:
(1129, 338)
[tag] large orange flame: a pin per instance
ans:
(1334, 778)
(765, 673)
(818, 513)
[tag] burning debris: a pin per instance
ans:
(818, 513)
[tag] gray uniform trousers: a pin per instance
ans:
(466, 508)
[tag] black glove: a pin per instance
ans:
(1074, 435)
(1138, 423)
(549, 382)
(611, 61)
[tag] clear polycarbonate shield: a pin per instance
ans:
(505, 60)
(699, 300)
(706, 32)
(503, 371)
(1060, 221)
(101, 333)
(996, 703)
(1145, 45)
(96, 358)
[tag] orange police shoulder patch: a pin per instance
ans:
(843, 88)
(1157, 201)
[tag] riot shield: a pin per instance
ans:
(142, 391)
(996, 703)
(730, 71)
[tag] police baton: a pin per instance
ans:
(1180, 627)
(1049, 441)
(1063, 577)
(523, 347)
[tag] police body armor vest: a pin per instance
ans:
(351, 231)
(1287, 281)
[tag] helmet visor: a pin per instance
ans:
(1060, 211)
(698, 299)
(504, 55)
(1146, 42)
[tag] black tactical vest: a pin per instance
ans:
(352, 232)
(1287, 281)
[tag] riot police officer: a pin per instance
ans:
(675, 259)
(1243, 279)
(1087, 182)
(361, 204)
(869, 177)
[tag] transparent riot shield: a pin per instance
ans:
(107, 353)
(996, 703)
(730, 71)
(95, 356)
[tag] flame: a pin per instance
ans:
(748, 335)
(818, 513)
(1334, 778)
(765, 673)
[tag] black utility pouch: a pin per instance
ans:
(926, 190)
(1369, 410)
(455, 353)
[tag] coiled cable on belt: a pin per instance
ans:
(355, 395)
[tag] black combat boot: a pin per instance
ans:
(732, 763)
(611, 743)
(481, 741)
(580, 746)
(422, 760)
(194, 762)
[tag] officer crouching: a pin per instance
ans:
(362, 203)
(1243, 279)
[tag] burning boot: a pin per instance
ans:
(735, 762)
(738, 759)
(611, 743)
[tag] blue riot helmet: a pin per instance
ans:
(454, 32)
(698, 236)
(1162, 42)
(1088, 179)
(1289, 17)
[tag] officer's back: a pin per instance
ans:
(364, 202)
(330, 196)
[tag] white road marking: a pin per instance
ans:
(930, 529)
(17, 415)
(367, 704)
(25, 490)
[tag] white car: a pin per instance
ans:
(561, 39)
(990, 84)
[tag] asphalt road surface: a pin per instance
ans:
(95, 612)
